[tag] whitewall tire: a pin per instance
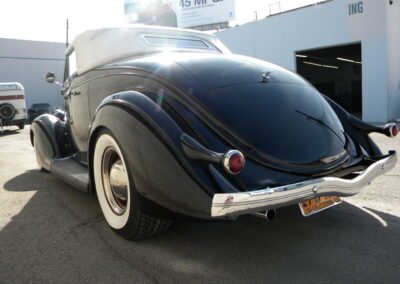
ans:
(107, 154)
(117, 194)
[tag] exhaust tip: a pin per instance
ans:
(268, 215)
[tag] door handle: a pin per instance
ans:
(75, 93)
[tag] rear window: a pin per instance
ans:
(41, 106)
(176, 42)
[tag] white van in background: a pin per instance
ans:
(12, 105)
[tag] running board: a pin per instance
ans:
(71, 172)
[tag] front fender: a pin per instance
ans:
(151, 142)
(47, 136)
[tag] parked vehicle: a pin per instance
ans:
(12, 105)
(39, 109)
(164, 122)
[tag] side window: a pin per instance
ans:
(72, 64)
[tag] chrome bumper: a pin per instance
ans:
(225, 204)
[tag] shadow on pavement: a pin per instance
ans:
(8, 132)
(60, 235)
(31, 180)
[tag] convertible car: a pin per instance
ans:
(165, 123)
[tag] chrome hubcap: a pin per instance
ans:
(115, 181)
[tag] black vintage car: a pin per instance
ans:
(162, 122)
(38, 109)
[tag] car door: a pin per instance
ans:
(76, 106)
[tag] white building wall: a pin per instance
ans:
(277, 38)
(393, 32)
(28, 62)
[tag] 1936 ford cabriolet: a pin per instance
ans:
(164, 122)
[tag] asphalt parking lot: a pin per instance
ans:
(50, 232)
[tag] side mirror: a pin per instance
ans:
(50, 77)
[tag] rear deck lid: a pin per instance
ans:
(289, 124)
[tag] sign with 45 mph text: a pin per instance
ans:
(203, 12)
(179, 13)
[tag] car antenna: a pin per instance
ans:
(66, 67)
(67, 28)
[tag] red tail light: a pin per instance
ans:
(234, 162)
(393, 130)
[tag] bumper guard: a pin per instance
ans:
(226, 204)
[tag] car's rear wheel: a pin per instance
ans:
(21, 125)
(117, 194)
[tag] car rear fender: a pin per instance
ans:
(151, 142)
(357, 129)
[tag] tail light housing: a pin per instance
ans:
(233, 162)
(392, 130)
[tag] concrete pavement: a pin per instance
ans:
(50, 232)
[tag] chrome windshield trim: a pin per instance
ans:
(226, 204)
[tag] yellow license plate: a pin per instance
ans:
(318, 204)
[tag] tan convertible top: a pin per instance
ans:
(95, 48)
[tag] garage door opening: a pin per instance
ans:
(336, 72)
